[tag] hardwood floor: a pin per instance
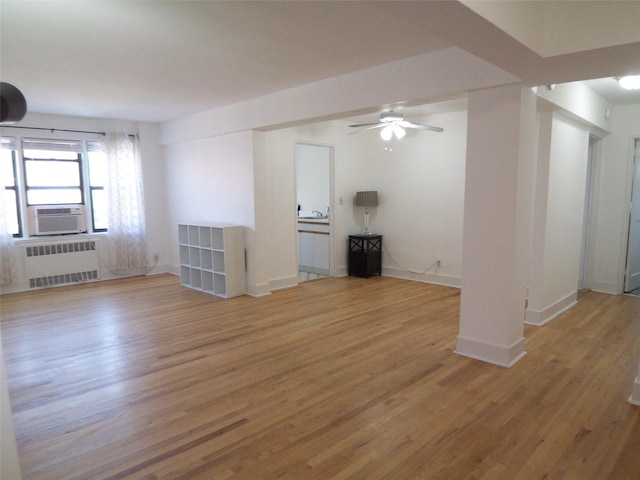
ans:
(343, 378)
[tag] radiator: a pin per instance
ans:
(52, 264)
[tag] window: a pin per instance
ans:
(8, 184)
(53, 172)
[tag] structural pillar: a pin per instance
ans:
(497, 223)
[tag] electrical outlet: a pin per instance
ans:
(156, 257)
(438, 264)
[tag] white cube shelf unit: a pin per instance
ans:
(212, 258)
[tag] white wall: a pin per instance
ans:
(436, 75)
(580, 102)
(211, 181)
(279, 180)
(558, 217)
(421, 188)
(155, 200)
(613, 190)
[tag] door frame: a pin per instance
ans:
(634, 204)
(332, 218)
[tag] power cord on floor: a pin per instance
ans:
(435, 264)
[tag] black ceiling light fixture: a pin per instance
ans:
(13, 105)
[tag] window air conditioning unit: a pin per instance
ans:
(57, 219)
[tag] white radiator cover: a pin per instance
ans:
(61, 263)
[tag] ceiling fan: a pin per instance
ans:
(392, 124)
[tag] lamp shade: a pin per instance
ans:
(367, 199)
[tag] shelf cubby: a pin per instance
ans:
(196, 278)
(183, 234)
(219, 284)
(184, 255)
(207, 282)
(217, 237)
(194, 257)
(205, 237)
(207, 259)
(218, 261)
(194, 236)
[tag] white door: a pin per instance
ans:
(632, 277)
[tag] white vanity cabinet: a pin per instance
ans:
(313, 246)
(212, 258)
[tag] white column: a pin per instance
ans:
(497, 223)
(635, 393)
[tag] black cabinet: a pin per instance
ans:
(365, 255)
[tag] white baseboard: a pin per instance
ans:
(435, 278)
(283, 282)
(496, 354)
(258, 290)
(342, 271)
(540, 317)
(173, 269)
(606, 287)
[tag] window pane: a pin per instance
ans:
(54, 196)
(99, 202)
(6, 168)
(97, 169)
(52, 173)
(12, 211)
(49, 154)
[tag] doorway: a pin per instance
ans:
(632, 271)
(314, 195)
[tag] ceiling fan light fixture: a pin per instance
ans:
(399, 132)
(630, 82)
(386, 133)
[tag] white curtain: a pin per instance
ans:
(7, 247)
(125, 194)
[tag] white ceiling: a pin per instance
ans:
(159, 60)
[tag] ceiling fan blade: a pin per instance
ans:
(364, 124)
(419, 126)
(371, 126)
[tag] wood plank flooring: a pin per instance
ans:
(343, 378)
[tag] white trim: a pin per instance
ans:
(342, 271)
(540, 317)
(611, 288)
(172, 269)
(438, 279)
(283, 282)
(496, 354)
(258, 290)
